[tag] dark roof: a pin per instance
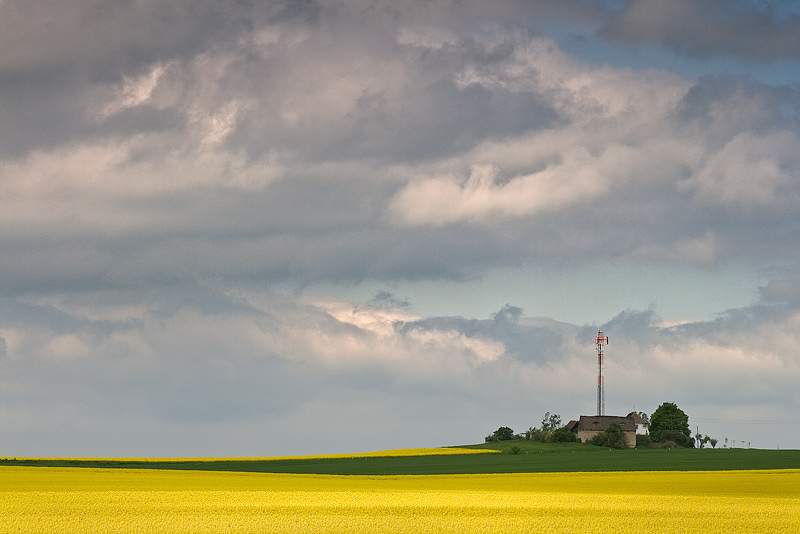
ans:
(598, 423)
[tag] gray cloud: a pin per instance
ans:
(278, 216)
(781, 290)
(97, 37)
(753, 31)
(521, 339)
(298, 367)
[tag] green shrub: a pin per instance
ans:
(503, 433)
(613, 438)
(535, 434)
(562, 435)
(669, 437)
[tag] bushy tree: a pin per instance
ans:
(550, 422)
(670, 423)
(503, 433)
(535, 434)
(613, 437)
(562, 435)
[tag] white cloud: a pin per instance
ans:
(101, 187)
(135, 91)
(221, 123)
(443, 200)
(247, 357)
(617, 122)
(751, 170)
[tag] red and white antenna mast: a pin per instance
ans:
(599, 341)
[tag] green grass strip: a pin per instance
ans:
(531, 459)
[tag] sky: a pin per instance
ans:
(237, 228)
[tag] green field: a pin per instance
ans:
(533, 457)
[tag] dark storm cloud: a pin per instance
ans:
(752, 31)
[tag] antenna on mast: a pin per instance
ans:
(599, 341)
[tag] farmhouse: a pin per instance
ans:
(590, 425)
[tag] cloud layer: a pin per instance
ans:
(752, 31)
(175, 177)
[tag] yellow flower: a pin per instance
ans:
(34, 499)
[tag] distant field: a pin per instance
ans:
(533, 458)
(68, 500)
(428, 451)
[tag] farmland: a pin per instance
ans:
(534, 457)
(36, 499)
(482, 488)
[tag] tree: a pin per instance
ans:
(535, 434)
(563, 435)
(613, 437)
(550, 422)
(501, 434)
(670, 423)
(713, 442)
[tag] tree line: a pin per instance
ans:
(669, 427)
(551, 431)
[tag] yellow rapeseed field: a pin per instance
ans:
(429, 451)
(39, 499)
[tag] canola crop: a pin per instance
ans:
(429, 451)
(58, 500)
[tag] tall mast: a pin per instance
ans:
(599, 341)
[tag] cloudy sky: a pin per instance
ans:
(315, 226)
